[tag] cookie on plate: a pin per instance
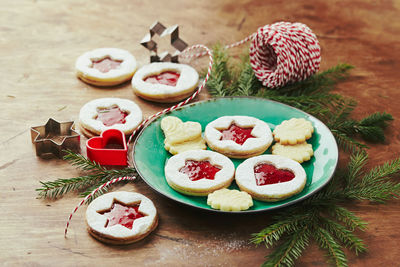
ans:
(293, 131)
(102, 114)
(181, 136)
(229, 200)
(165, 82)
(238, 136)
(299, 152)
(120, 218)
(199, 172)
(106, 66)
(270, 177)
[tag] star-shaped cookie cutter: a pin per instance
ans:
(54, 137)
(172, 33)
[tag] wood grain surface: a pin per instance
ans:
(39, 43)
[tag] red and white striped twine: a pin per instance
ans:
(280, 53)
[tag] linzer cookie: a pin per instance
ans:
(165, 82)
(181, 136)
(229, 200)
(270, 177)
(106, 66)
(199, 172)
(121, 217)
(102, 114)
(238, 136)
(293, 131)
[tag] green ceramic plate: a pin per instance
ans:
(149, 155)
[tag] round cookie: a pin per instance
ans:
(270, 177)
(299, 152)
(293, 131)
(199, 172)
(238, 136)
(121, 217)
(102, 114)
(165, 82)
(106, 66)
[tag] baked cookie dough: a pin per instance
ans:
(229, 200)
(293, 131)
(299, 152)
(199, 172)
(181, 136)
(121, 217)
(106, 66)
(102, 114)
(270, 177)
(165, 82)
(238, 136)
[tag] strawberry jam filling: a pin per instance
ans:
(237, 134)
(268, 174)
(111, 116)
(168, 78)
(197, 170)
(122, 214)
(106, 64)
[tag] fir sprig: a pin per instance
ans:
(95, 175)
(333, 226)
(312, 95)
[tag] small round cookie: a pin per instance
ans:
(293, 131)
(121, 218)
(102, 114)
(298, 152)
(199, 172)
(270, 177)
(238, 136)
(229, 200)
(165, 82)
(106, 66)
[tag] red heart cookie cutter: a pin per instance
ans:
(108, 149)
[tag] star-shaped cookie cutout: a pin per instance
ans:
(123, 214)
(171, 35)
(54, 137)
(237, 134)
(197, 170)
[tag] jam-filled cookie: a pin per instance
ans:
(102, 114)
(270, 177)
(165, 82)
(199, 172)
(238, 136)
(121, 217)
(106, 66)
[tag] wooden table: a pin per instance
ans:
(39, 43)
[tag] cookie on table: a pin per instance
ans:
(165, 82)
(199, 172)
(299, 152)
(121, 218)
(181, 136)
(229, 200)
(238, 136)
(106, 66)
(270, 178)
(293, 131)
(102, 114)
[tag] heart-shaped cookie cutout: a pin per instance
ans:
(268, 174)
(176, 131)
(108, 149)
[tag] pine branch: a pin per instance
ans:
(333, 248)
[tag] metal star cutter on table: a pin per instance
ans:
(54, 137)
(171, 33)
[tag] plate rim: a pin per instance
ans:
(242, 211)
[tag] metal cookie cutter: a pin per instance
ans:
(54, 137)
(172, 33)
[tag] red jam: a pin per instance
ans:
(168, 78)
(106, 64)
(197, 170)
(111, 116)
(268, 174)
(237, 134)
(123, 215)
